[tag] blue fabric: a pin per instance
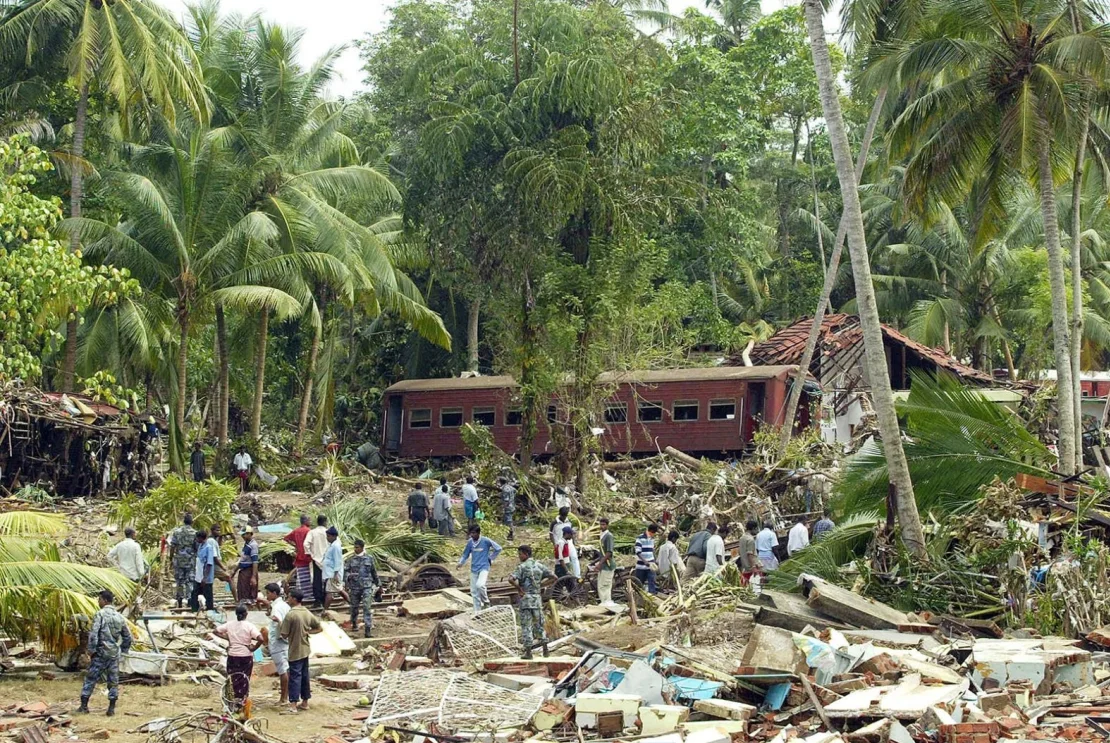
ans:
(206, 556)
(249, 555)
(333, 561)
(481, 553)
(645, 551)
(470, 508)
(102, 666)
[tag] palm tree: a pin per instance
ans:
(995, 88)
(40, 594)
(131, 50)
(306, 175)
(875, 357)
(185, 233)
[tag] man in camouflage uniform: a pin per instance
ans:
(528, 579)
(108, 637)
(183, 555)
(362, 582)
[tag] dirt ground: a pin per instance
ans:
(330, 711)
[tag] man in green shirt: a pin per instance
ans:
(298, 624)
(606, 565)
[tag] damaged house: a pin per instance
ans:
(838, 365)
(80, 446)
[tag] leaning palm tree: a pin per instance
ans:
(40, 594)
(131, 51)
(186, 231)
(995, 88)
(878, 375)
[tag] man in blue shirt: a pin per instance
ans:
(645, 557)
(824, 526)
(332, 567)
(481, 551)
(204, 573)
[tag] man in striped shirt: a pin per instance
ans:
(645, 557)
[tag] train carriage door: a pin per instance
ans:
(755, 414)
(394, 423)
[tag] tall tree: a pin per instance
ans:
(129, 50)
(878, 376)
(993, 91)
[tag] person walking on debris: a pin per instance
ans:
(204, 572)
(127, 556)
(295, 628)
(695, 554)
(714, 548)
(246, 572)
(824, 525)
(332, 566)
(441, 509)
(749, 560)
(670, 558)
(418, 507)
(645, 558)
(108, 638)
(798, 538)
(508, 502)
(215, 537)
(606, 565)
(316, 544)
(470, 500)
(568, 554)
(481, 551)
(362, 582)
(183, 554)
(243, 638)
(279, 648)
(765, 543)
(196, 463)
(528, 579)
(242, 463)
(302, 561)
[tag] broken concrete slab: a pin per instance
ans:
(347, 682)
(331, 642)
(850, 607)
(725, 709)
(657, 719)
(1041, 662)
(773, 649)
(588, 706)
(908, 700)
(551, 714)
(437, 606)
(713, 733)
(790, 612)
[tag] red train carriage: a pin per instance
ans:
(700, 411)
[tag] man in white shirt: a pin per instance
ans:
(243, 462)
(279, 648)
(798, 537)
(669, 556)
(127, 556)
(316, 545)
(470, 500)
(765, 543)
(714, 550)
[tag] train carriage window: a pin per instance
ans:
(485, 416)
(649, 412)
(551, 417)
(450, 418)
(616, 412)
(685, 410)
(722, 410)
(514, 418)
(421, 418)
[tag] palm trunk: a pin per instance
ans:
(826, 290)
(472, 335)
(530, 401)
(259, 375)
(182, 358)
(1077, 258)
(944, 293)
(1061, 342)
(310, 374)
(224, 377)
(1077, 278)
(69, 362)
(877, 372)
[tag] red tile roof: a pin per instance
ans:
(841, 332)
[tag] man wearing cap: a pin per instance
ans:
(246, 587)
(332, 567)
(108, 638)
(362, 582)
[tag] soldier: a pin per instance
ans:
(183, 554)
(362, 582)
(108, 637)
(528, 579)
